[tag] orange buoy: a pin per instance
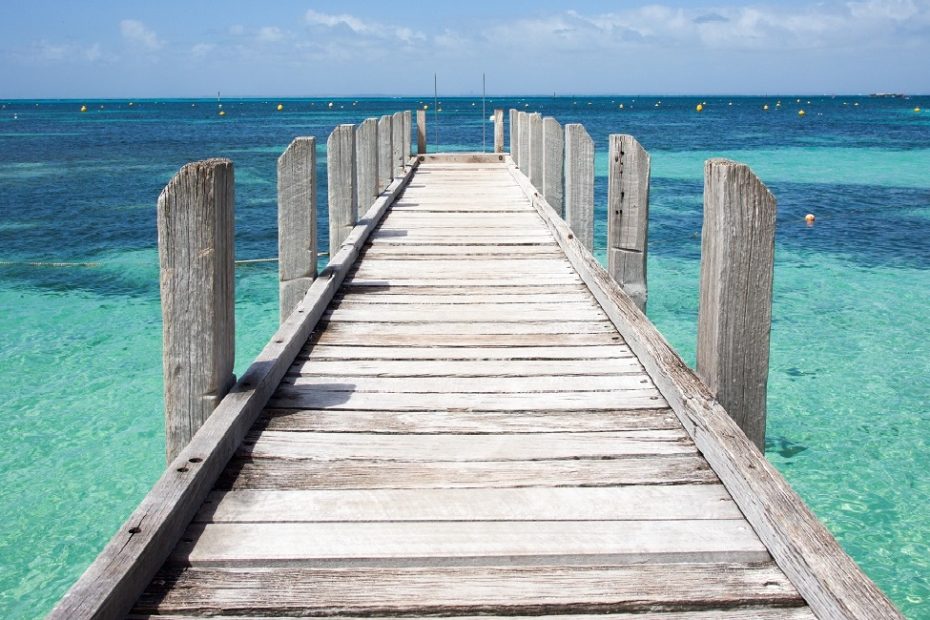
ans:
(809, 218)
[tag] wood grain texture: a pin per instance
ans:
(421, 131)
(535, 149)
(319, 352)
(443, 591)
(775, 612)
(579, 183)
(498, 131)
(341, 178)
(628, 216)
(523, 147)
(513, 124)
(297, 223)
(467, 368)
(397, 143)
(735, 304)
(385, 151)
(827, 578)
(366, 157)
(553, 163)
(196, 250)
(408, 131)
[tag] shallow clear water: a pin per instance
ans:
(80, 359)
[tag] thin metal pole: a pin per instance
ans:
(436, 112)
(484, 115)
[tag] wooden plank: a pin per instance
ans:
(447, 291)
(469, 368)
(513, 252)
(408, 127)
(735, 304)
(579, 183)
(527, 265)
(642, 502)
(613, 351)
(366, 157)
(455, 591)
(397, 143)
(252, 473)
(463, 448)
(453, 313)
(421, 131)
(297, 232)
(509, 280)
(523, 147)
(343, 334)
(498, 131)
(535, 149)
(628, 216)
(113, 582)
(539, 301)
(514, 133)
(829, 580)
(463, 422)
(342, 197)
(485, 329)
(553, 162)
(468, 385)
(196, 251)
(385, 151)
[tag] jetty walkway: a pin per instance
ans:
(466, 415)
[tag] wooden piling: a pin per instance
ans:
(421, 131)
(397, 144)
(514, 134)
(498, 131)
(523, 148)
(408, 127)
(385, 152)
(341, 172)
(535, 149)
(553, 163)
(735, 305)
(579, 183)
(628, 216)
(196, 250)
(366, 168)
(297, 251)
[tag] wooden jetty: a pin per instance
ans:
(464, 414)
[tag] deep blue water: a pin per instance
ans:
(81, 418)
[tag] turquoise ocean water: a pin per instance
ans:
(80, 360)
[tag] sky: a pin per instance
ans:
(195, 48)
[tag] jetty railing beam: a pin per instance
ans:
(523, 148)
(421, 131)
(498, 131)
(408, 128)
(535, 148)
(397, 144)
(553, 163)
(628, 216)
(579, 183)
(341, 175)
(514, 120)
(366, 156)
(385, 152)
(297, 223)
(735, 305)
(196, 250)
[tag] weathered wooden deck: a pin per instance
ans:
(476, 421)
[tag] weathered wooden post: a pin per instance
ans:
(408, 127)
(514, 134)
(297, 251)
(579, 183)
(735, 305)
(628, 215)
(498, 131)
(343, 200)
(523, 148)
(553, 163)
(535, 148)
(366, 157)
(196, 252)
(397, 144)
(385, 152)
(421, 131)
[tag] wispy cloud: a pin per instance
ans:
(66, 52)
(139, 34)
(358, 26)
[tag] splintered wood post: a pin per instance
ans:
(196, 251)
(297, 252)
(498, 131)
(523, 148)
(535, 147)
(735, 305)
(553, 163)
(397, 144)
(366, 157)
(628, 216)
(421, 131)
(340, 168)
(514, 134)
(408, 127)
(385, 152)
(579, 183)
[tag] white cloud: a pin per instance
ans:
(270, 34)
(67, 52)
(372, 30)
(137, 33)
(202, 49)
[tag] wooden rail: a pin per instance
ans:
(428, 434)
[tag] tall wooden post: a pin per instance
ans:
(628, 216)
(385, 152)
(397, 144)
(297, 251)
(421, 131)
(341, 173)
(735, 305)
(523, 148)
(553, 163)
(498, 131)
(366, 157)
(535, 148)
(196, 251)
(514, 134)
(579, 183)
(408, 128)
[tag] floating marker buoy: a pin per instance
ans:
(801, 112)
(280, 107)
(809, 218)
(765, 107)
(621, 106)
(131, 104)
(856, 104)
(83, 108)
(731, 103)
(699, 107)
(426, 106)
(222, 112)
(330, 104)
(917, 109)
